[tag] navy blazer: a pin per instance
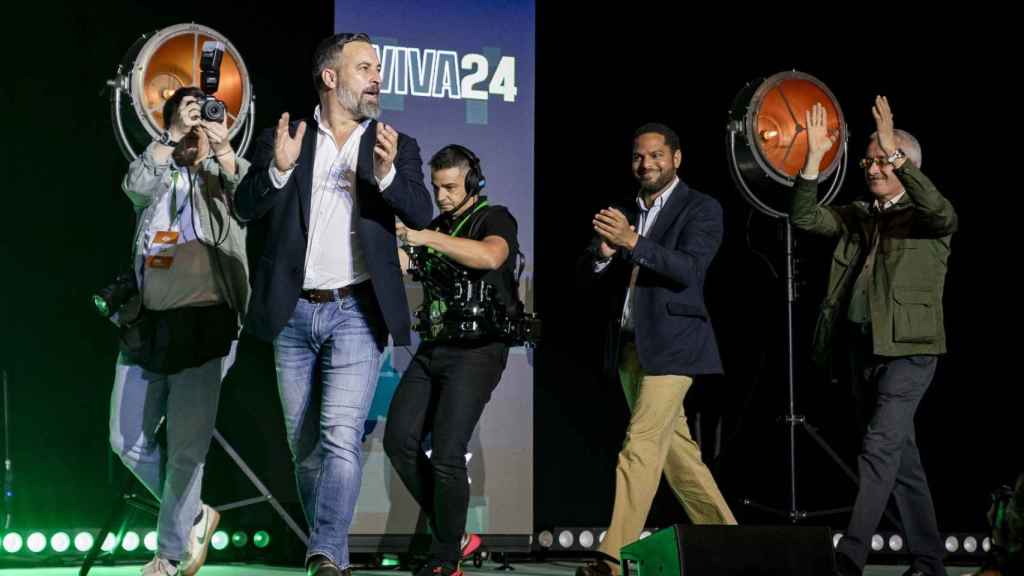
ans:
(673, 330)
(281, 218)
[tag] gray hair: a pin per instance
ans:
(906, 141)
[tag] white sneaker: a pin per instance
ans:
(199, 541)
(159, 567)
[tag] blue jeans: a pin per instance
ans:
(327, 359)
(188, 400)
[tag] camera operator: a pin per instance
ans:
(190, 266)
(450, 378)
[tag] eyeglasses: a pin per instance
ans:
(866, 163)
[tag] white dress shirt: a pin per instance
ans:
(334, 256)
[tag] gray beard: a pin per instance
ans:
(355, 106)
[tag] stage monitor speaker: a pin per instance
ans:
(691, 550)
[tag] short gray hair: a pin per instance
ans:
(906, 141)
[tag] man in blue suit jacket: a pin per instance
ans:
(657, 252)
(327, 290)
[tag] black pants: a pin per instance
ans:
(443, 394)
(888, 391)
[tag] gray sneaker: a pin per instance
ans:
(159, 567)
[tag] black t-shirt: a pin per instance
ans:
(490, 220)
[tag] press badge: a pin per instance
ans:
(161, 249)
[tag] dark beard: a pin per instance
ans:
(187, 151)
(657, 185)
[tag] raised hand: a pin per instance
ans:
(217, 134)
(884, 125)
(385, 150)
(819, 141)
(287, 147)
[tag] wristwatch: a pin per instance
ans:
(165, 139)
(895, 156)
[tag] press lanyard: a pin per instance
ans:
(176, 211)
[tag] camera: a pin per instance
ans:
(110, 298)
(210, 108)
(466, 309)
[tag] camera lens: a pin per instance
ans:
(213, 110)
(109, 299)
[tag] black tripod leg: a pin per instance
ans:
(813, 433)
(118, 512)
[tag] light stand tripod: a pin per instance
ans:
(119, 511)
(766, 118)
(792, 419)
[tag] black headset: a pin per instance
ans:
(475, 181)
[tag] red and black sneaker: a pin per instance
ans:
(470, 544)
(438, 568)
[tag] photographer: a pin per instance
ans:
(450, 379)
(190, 267)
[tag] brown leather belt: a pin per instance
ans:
(320, 296)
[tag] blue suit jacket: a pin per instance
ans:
(281, 218)
(673, 330)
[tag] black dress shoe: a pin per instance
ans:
(595, 568)
(846, 567)
(324, 566)
(941, 571)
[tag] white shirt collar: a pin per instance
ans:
(891, 202)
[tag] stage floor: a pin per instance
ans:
(488, 569)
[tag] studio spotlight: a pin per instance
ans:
(170, 58)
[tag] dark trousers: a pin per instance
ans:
(442, 394)
(888, 391)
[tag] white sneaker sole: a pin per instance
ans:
(201, 558)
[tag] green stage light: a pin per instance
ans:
(150, 541)
(101, 306)
(219, 540)
(109, 543)
(239, 539)
(261, 539)
(83, 541)
(130, 542)
(36, 542)
(389, 561)
(12, 542)
(60, 542)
